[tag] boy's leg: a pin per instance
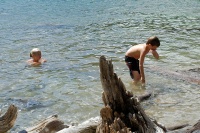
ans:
(136, 76)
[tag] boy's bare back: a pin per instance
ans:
(135, 51)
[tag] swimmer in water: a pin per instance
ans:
(36, 57)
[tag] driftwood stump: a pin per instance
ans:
(122, 112)
(8, 119)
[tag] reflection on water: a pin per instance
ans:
(73, 35)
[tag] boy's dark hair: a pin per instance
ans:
(154, 41)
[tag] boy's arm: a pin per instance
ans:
(36, 64)
(155, 54)
(142, 56)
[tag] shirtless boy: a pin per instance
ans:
(134, 58)
(36, 57)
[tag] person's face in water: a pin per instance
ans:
(36, 56)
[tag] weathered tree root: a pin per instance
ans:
(88, 126)
(194, 129)
(50, 125)
(177, 127)
(144, 97)
(8, 119)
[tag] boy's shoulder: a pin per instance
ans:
(42, 60)
(140, 46)
(29, 60)
(143, 48)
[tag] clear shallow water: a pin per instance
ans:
(74, 34)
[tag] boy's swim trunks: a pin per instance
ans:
(133, 65)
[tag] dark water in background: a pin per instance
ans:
(73, 34)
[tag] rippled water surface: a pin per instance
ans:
(73, 34)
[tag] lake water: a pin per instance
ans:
(73, 34)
